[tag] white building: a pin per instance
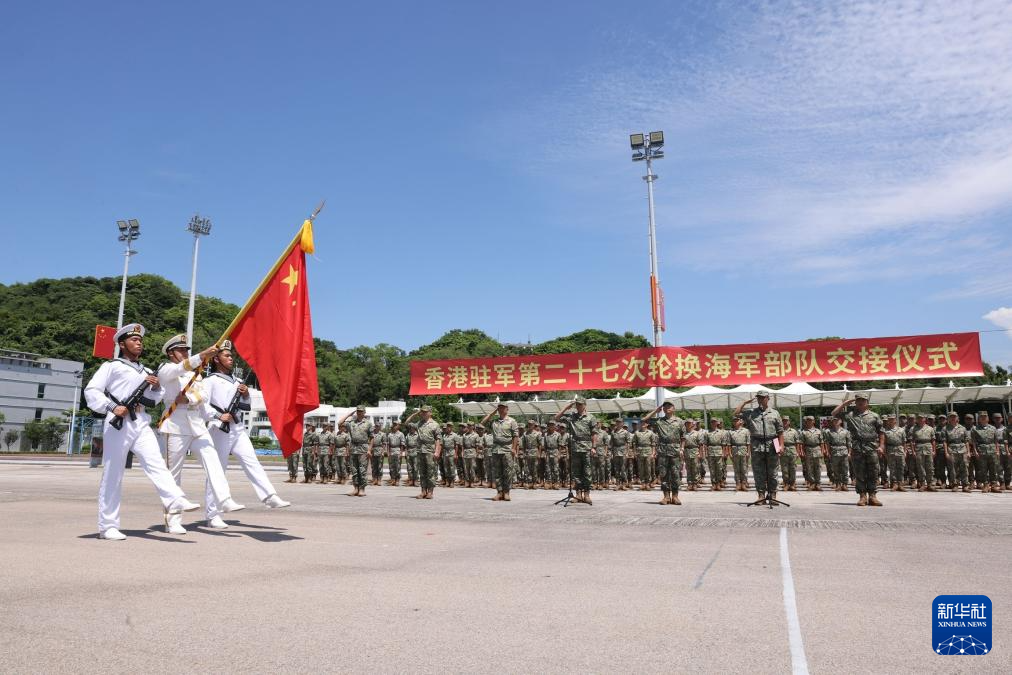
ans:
(259, 425)
(33, 387)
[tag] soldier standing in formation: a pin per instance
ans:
(644, 443)
(468, 454)
(530, 445)
(112, 385)
(984, 444)
(923, 449)
(395, 452)
(865, 427)
(840, 445)
(448, 456)
(620, 439)
(740, 442)
(377, 451)
(789, 456)
(310, 453)
(766, 433)
(553, 447)
(583, 429)
(813, 451)
(429, 450)
(326, 454)
(342, 458)
(360, 433)
(505, 435)
(1005, 466)
(669, 451)
(717, 451)
(896, 449)
(691, 441)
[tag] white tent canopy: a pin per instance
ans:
(707, 398)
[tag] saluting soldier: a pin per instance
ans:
(896, 449)
(789, 456)
(840, 444)
(865, 427)
(740, 442)
(361, 435)
(669, 451)
(984, 444)
(813, 450)
(505, 434)
(186, 429)
(222, 389)
(766, 433)
(121, 390)
(584, 429)
(430, 446)
(342, 457)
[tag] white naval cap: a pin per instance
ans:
(174, 342)
(129, 330)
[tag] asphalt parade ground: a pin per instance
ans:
(388, 583)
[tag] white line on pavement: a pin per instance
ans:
(798, 662)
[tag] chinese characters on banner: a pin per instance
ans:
(892, 358)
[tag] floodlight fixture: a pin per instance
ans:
(122, 225)
(199, 226)
(656, 139)
(637, 141)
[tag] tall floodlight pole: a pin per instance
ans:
(647, 147)
(198, 226)
(129, 231)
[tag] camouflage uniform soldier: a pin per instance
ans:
(505, 446)
(718, 448)
(956, 438)
(395, 450)
(310, 454)
(326, 454)
(943, 466)
(379, 449)
(692, 439)
(583, 429)
(645, 443)
(448, 459)
(1005, 465)
(764, 426)
(971, 463)
(923, 450)
(984, 442)
(789, 456)
(360, 433)
(342, 444)
(468, 454)
(813, 450)
(620, 439)
(896, 450)
(293, 463)
(865, 427)
(740, 442)
(840, 445)
(531, 444)
(479, 455)
(430, 446)
(553, 444)
(564, 460)
(599, 462)
(669, 450)
(489, 460)
(411, 444)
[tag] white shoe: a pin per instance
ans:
(112, 534)
(174, 524)
(276, 502)
(183, 504)
(229, 505)
(217, 523)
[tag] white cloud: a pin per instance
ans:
(840, 129)
(1001, 317)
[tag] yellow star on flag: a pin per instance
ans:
(292, 280)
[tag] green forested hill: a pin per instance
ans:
(57, 318)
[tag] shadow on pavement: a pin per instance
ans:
(143, 534)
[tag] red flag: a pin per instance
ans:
(104, 347)
(275, 336)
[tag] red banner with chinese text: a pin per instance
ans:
(891, 358)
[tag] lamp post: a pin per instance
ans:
(129, 231)
(198, 226)
(647, 147)
(73, 410)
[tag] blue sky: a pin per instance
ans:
(832, 169)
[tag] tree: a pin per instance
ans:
(261, 442)
(46, 435)
(10, 438)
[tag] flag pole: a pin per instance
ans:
(297, 240)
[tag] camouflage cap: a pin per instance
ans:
(425, 408)
(580, 400)
(861, 396)
(809, 418)
(502, 404)
(886, 418)
(982, 413)
(762, 394)
(929, 416)
(360, 408)
(953, 414)
(920, 414)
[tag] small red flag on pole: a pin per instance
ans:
(104, 346)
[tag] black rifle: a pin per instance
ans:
(136, 398)
(234, 406)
